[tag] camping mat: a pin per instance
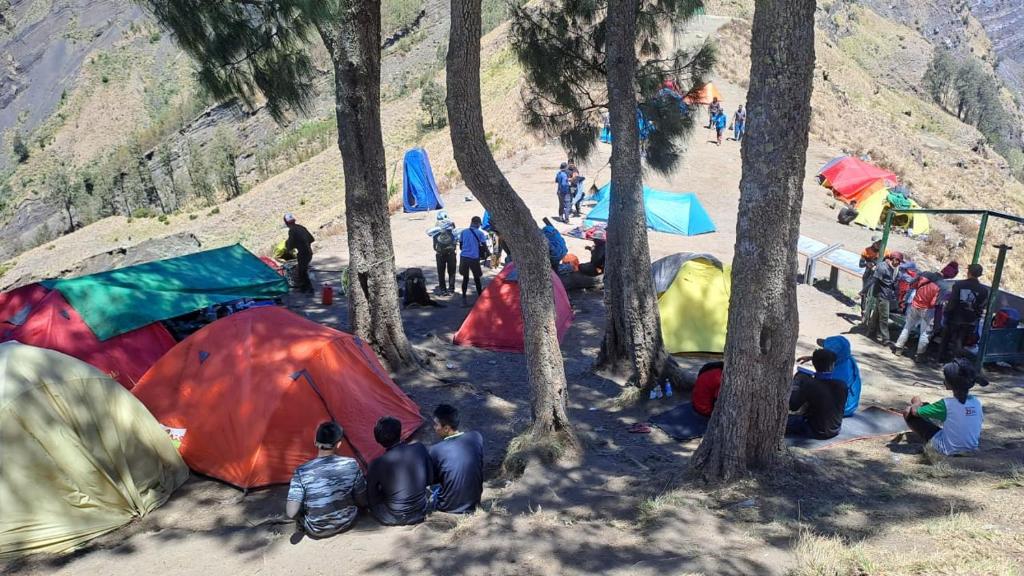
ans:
(681, 422)
(122, 300)
(870, 422)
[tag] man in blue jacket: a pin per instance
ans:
(473, 245)
(564, 191)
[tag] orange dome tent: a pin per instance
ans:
(246, 393)
(703, 95)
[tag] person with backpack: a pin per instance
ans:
(556, 244)
(473, 248)
(967, 302)
(882, 294)
(577, 191)
(961, 415)
(444, 255)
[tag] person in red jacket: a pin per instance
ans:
(705, 390)
(920, 316)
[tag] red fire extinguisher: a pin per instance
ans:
(327, 295)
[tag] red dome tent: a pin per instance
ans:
(496, 320)
(247, 392)
(54, 324)
(850, 178)
(16, 304)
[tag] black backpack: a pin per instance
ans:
(444, 241)
(415, 288)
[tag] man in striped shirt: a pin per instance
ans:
(325, 492)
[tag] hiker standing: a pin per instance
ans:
(444, 254)
(473, 245)
(920, 315)
(563, 190)
(967, 302)
(882, 293)
(301, 241)
(713, 110)
(720, 122)
(739, 120)
(868, 261)
(575, 179)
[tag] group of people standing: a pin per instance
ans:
(892, 284)
(718, 120)
(472, 247)
(570, 193)
(401, 487)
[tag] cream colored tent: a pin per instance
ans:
(79, 455)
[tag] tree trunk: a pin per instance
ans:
(517, 225)
(353, 41)
(747, 425)
(632, 345)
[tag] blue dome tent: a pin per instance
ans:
(419, 190)
(670, 212)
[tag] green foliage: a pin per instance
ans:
(397, 14)
(432, 103)
(143, 212)
(492, 13)
(199, 173)
(224, 149)
(21, 151)
(296, 146)
(561, 47)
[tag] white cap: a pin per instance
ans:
(289, 217)
(442, 215)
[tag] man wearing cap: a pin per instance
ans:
(868, 261)
(301, 241)
(967, 302)
(881, 292)
(325, 492)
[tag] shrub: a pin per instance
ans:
(432, 102)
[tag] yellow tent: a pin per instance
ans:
(693, 299)
(873, 210)
(80, 455)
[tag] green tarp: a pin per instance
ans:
(120, 301)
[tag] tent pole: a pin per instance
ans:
(981, 238)
(997, 277)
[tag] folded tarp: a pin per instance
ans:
(681, 422)
(120, 301)
(870, 422)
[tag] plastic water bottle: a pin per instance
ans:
(668, 389)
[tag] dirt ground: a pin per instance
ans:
(870, 507)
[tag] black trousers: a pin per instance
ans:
(467, 265)
(446, 262)
(302, 282)
(953, 336)
(922, 427)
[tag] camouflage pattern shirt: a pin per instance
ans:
(329, 489)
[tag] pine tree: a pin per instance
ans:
(261, 48)
(581, 58)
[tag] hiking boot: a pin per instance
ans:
(897, 351)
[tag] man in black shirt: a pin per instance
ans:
(820, 399)
(848, 213)
(967, 302)
(397, 481)
(458, 461)
(882, 292)
(301, 241)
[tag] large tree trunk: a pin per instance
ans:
(353, 41)
(513, 217)
(747, 425)
(632, 345)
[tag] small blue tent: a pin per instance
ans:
(419, 190)
(671, 212)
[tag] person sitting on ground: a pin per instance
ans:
(458, 464)
(845, 370)
(473, 248)
(816, 402)
(706, 388)
(397, 481)
(961, 415)
(920, 316)
(301, 242)
(556, 244)
(882, 294)
(967, 302)
(325, 492)
(595, 267)
(849, 213)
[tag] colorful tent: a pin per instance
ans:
(496, 320)
(419, 190)
(246, 394)
(873, 211)
(15, 305)
(670, 212)
(848, 176)
(122, 300)
(53, 324)
(81, 456)
(693, 300)
(703, 95)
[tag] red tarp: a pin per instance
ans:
(496, 320)
(849, 176)
(16, 304)
(246, 394)
(54, 324)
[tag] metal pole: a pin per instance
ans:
(885, 236)
(997, 277)
(981, 238)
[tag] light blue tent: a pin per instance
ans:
(419, 190)
(670, 212)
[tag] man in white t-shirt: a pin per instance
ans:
(961, 415)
